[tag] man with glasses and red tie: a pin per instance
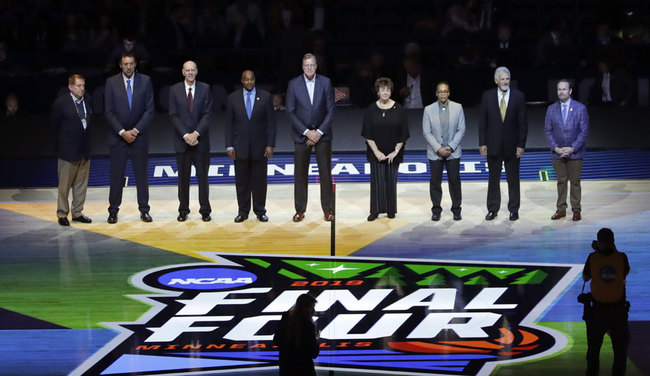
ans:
(190, 102)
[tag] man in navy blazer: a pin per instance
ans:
(502, 131)
(566, 127)
(129, 108)
(250, 139)
(310, 107)
(70, 120)
(190, 104)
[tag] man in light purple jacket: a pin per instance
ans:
(566, 127)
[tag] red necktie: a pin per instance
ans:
(190, 99)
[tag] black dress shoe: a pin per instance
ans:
(182, 217)
(112, 218)
(263, 218)
(457, 217)
(490, 216)
(240, 218)
(435, 217)
(372, 217)
(146, 217)
(206, 217)
(514, 216)
(82, 218)
(391, 215)
(63, 221)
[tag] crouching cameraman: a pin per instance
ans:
(606, 311)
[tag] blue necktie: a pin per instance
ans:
(564, 106)
(129, 92)
(249, 105)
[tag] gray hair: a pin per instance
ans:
(501, 69)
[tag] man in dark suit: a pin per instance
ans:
(502, 131)
(70, 119)
(310, 107)
(250, 139)
(566, 126)
(190, 102)
(128, 105)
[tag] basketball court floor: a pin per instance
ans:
(403, 296)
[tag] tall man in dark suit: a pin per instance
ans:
(250, 139)
(128, 105)
(190, 102)
(70, 119)
(310, 107)
(502, 131)
(566, 126)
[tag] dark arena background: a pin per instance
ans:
(402, 296)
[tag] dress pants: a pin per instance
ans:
(453, 178)
(612, 319)
(301, 159)
(494, 181)
(72, 175)
(201, 161)
(250, 178)
(139, 160)
(568, 170)
(383, 186)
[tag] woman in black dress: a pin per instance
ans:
(385, 129)
(297, 339)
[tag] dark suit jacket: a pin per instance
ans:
(118, 114)
(72, 141)
(502, 138)
(185, 121)
(572, 133)
(250, 137)
(303, 115)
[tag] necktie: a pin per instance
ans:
(80, 108)
(249, 104)
(502, 107)
(190, 99)
(129, 92)
(564, 112)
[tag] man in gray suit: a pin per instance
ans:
(443, 125)
(129, 108)
(190, 102)
(310, 107)
(250, 139)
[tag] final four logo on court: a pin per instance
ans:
(389, 316)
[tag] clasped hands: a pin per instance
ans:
(382, 157)
(130, 135)
(444, 151)
(191, 138)
(565, 151)
(313, 136)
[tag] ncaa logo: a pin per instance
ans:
(207, 278)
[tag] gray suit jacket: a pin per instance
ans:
(433, 132)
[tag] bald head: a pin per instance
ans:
(190, 71)
(248, 80)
